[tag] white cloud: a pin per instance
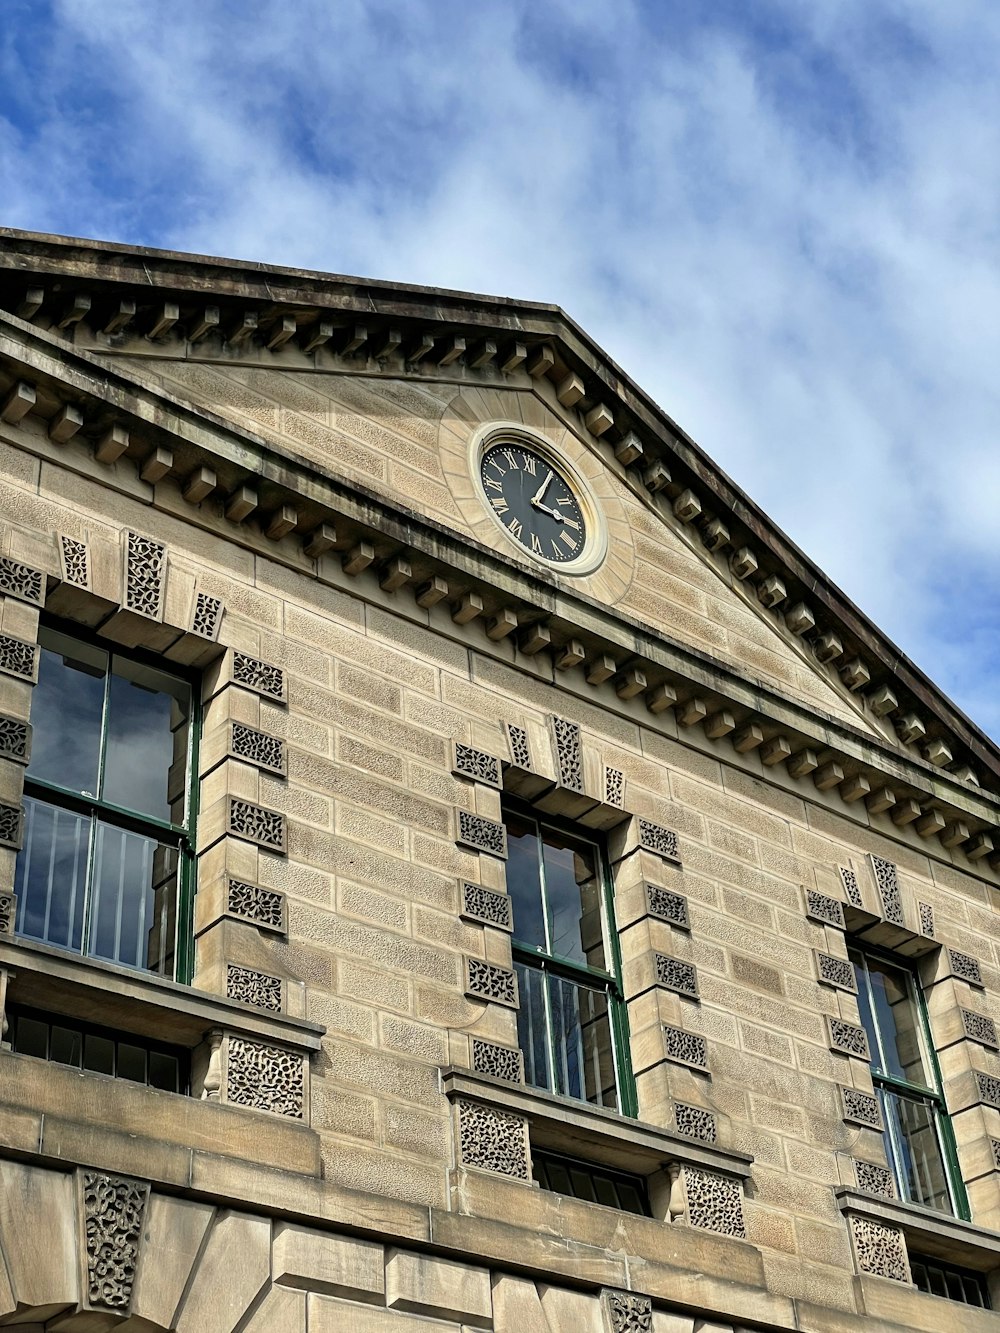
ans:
(780, 220)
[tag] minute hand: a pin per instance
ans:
(536, 499)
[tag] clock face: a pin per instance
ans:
(533, 502)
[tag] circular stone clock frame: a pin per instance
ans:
(513, 433)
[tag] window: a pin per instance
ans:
(919, 1144)
(66, 1041)
(571, 1022)
(957, 1284)
(595, 1184)
(105, 866)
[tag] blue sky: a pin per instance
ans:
(783, 219)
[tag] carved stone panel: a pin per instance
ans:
(887, 879)
(254, 823)
(113, 1211)
(252, 987)
(655, 838)
(487, 906)
(492, 1140)
(626, 1312)
(989, 1089)
(995, 1149)
(15, 739)
(21, 581)
(520, 750)
(18, 658)
(261, 677)
(926, 919)
(695, 1122)
(820, 907)
(614, 787)
(504, 1062)
(258, 748)
(838, 972)
(75, 562)
(468, 762)
(685, 1048)
(145, 575)
(965, 968)
(851, 886)
(848, 1038)
(861, 1108)
(206, 616)
(880, 1250)
(264, 907)
(8, 912)
(11, 825)
(265, 1078)
(677, 975)
(486, 981)
(714, 1202)
(875, 1179)
(482, 834)
(667, 906)
(979, 1028)
(569, 753)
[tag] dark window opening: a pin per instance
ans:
(955, 1284)
(65, 1041)
(593, 1184)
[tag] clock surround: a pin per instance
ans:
(537, 498)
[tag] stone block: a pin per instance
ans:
(38, 1222)
(445, 1288)
(233, 1269)
(174, 1232)
(324, 1262)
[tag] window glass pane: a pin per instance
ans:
(50, 877)
(164, 1072)
(66, 1046)
(573, 893)
(98, 1054)
(131, 1062)
(582, 1042)
(66, 710)
(146, 760)
(134, 895)
(922, 1165)
(532, 1027)
(523, 880)
(896, 1016)
(31, 1037)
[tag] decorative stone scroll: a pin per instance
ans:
(468, 762)
(838, 972)
(258, 748)
(261, 677)
(820, 907)
(145, 571)
(861, 1108)
(695, 1122)
(113, 1208)
(874, 1179)
(685, 1048)
(264, 907)
(980, 1028)
(11, 825)
(989, 1089)
(492, 1140)
(626, 1312)
(15, 739)
(487, 906)
(520, 750)
(667, 906)
(481, 834)
(256, 824)
(614, 787)
(18, 658)
(656, 838)
(8, 912)
(964, 967)
(851, 886)
(74, 560)
(569, 753)
(848, 1038)
(879, 1250)
(251, 987)
(504, 1062)
(206, 616)
(714, 1202)
(887, 879)
(926, 919)
(487, 981)
(677, 975)
(265, 1078)
(21, 581)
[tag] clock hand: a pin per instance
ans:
(554, 513)
(536, 499)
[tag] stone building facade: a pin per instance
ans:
(462, 867)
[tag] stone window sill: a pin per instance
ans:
(592, 1133)
(933, 1234)
(129, 1001)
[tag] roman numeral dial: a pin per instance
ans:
(533, 501)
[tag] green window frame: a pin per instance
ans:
(572, 1021)
(106, 866)
(918, 1136)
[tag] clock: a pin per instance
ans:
(539, 500)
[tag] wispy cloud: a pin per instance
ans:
(782, 219)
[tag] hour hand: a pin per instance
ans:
(536, 499)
